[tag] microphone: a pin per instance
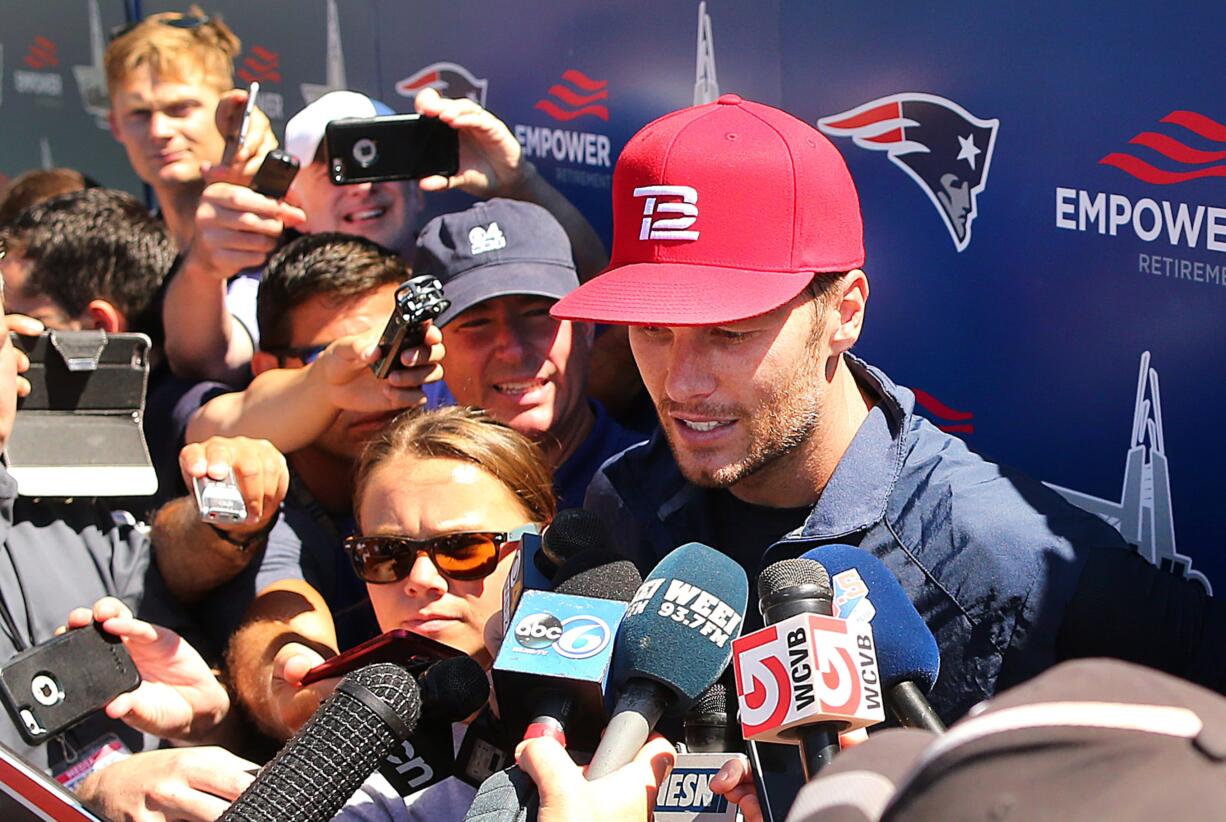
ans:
(556, 688)
(907, 653)
(674, 642)
(807, 676)
(355, 728)
(708, 728)
(451, 690)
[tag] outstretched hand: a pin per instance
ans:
(179, 697)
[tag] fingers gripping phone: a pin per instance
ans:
(418, 300)
(235, 140)
(393, 147)
(275, 174)
(402, 647)
(50, 687)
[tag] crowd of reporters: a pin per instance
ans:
(407, 502)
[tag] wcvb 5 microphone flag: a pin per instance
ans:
(805, 669)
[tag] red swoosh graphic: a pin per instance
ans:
(1172, 149)
(265, 54)
(939, 408)
(1198, 124)
(1147, 173)
(556, 113)
(578, 78)
(874, 115)
(571, 99)
(894, 135)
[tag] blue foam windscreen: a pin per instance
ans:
(681, 622)
(906, 649)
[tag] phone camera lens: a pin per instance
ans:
(365, 152)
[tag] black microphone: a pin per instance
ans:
(451, 690)
(785, 589)
(708, 726)
(372, 710)
(572, 532)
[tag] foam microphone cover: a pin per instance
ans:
(572, 532)
(598, 573)
(906, 649)
(681, 623)
(372, 710)
(454, 689)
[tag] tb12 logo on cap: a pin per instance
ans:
(668, 228)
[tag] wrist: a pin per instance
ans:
(245, 539)
(523, 184)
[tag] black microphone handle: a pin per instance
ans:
(912, 709)
(818, 745)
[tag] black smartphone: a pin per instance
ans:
(418, 300)
(235, 140)
(275, 174)
(55, 685)
(400, 646)
(393, 147)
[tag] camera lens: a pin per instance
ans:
(365, 152)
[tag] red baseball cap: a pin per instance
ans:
(721, 212)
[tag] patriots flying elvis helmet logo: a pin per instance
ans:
(944, 148)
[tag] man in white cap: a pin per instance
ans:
(237, 228)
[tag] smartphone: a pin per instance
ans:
(418, 300)
(393, 147)
(402, 647)
(275, 174)
(52, 686)
(235, 140)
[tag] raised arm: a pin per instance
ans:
(492, 164)
(195, 557)
(292, 407)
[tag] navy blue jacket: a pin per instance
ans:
(991, 558)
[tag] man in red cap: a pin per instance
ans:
(737, 246)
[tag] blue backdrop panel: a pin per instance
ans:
(1038, 330)
(1043, 185)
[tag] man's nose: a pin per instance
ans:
(689, 376)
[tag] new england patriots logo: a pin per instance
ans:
(448, 79)
(942, 146)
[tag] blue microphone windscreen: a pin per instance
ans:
(681, 622)
(906, 649)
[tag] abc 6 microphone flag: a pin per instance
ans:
(805, 669)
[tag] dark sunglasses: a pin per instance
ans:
(183, 21)
(465, 556)
(306, 353)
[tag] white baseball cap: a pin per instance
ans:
(305, 130)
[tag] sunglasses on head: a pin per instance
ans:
(465, 556)
(182, 21)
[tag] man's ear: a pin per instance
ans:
(262, 361)
(103, 316)
(113, 121)
(850, 301)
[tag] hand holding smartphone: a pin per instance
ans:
(392, 147)
(235, 140)
(50, 687)
(411, 651)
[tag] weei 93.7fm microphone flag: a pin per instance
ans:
(674, 642)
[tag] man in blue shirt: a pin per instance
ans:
(736, 263)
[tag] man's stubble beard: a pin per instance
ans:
(789, 419)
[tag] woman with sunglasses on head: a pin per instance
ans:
(442, 500)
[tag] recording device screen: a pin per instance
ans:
(393, 147)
